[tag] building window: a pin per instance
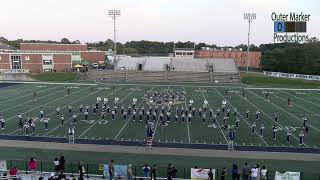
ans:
(178, 53)
(47, 62)
(189, 54)
(16, 61)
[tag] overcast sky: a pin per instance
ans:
(211, 21)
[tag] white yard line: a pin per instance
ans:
(120, 131)
(314, 95)
(242, 118)
(225, 138)
(99, 119)
(79, 113)
(49, 113)
(298, 106)
(13, 91)
(45, 104)
(299, 98)
(285, 111)
(15, 94)
(42, 82)
(188, 129)
(55, 92)
(270, 117)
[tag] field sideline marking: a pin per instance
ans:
(242, 118)
(79, 113)
(15, 91)
(19, 92)
(285, 111)
(299, 98)
(55, 92)
(187, 122)
(119, 132)
(42, 105)
(288, 89)
(269, 117)
(314, 95)
(43, 82)
(217, 120)
(100, 118)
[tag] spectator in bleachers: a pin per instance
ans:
(146, 170)
(154, 172)
(245, 171)
(111, 169)
(32, 165)
(130, 172)
(13, 172)
(234, 172)
(56, 165)
(61, 164)
(263, 173)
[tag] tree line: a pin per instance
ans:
(282, 57)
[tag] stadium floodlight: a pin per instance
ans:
(249, 17)
(114, 13)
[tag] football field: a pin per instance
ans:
(18, 98)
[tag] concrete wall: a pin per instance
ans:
(164, 76)
(15, 77)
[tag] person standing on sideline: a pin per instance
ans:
(146, 171)
(61, 165)
(210, 174)
(254, 172)
(245, 171)
(234, 172)
(130, 172)
(224, 173)
(263, 173)
(32, 165)
(154, 172)
(56, 165)
(111, 169)
(81, 171)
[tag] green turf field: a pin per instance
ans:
(259, 79)
(18, 99)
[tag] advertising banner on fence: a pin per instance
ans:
(292, 76)
(3, 165)
(287, 176)
(13, 71)
(200, 174)
(120, 170)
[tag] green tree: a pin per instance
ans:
(65, 41)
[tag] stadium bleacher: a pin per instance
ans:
(169, 69)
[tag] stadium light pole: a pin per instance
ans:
(114, 13)
(249, 17)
